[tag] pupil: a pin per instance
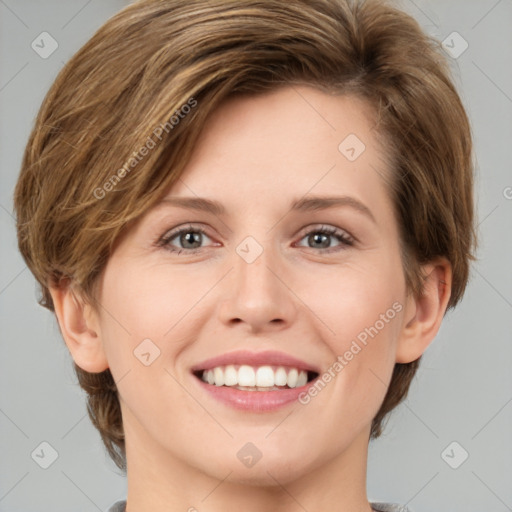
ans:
(190, 237)
(319, 237)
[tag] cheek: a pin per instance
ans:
(132, 311)
(356, 302)
(361, 310)
(154, 302)
(145, 300)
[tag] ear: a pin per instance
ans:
(79, 325)
(423, 315)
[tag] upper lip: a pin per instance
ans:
(245, 357)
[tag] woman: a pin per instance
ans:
(318, 158)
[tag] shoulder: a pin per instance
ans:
(118, 506)
(388, 507)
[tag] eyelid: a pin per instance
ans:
(333, 230)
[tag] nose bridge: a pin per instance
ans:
(253, 263)
(256, 291)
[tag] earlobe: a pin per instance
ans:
(79, 326)
(428, 311)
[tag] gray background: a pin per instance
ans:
(462, 392)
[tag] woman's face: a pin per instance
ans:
(274, 275)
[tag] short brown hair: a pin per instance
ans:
(155, 56)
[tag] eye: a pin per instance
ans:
(189, 239)
(321, 238)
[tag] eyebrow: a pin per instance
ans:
(306, 204)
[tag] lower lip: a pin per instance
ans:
(255, 401)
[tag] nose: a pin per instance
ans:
(259, 293)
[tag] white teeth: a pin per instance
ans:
(246, 376)
(262, 378)
(292, 378)
(280, 377)
(218, 375)
(302, 379)
(230, 376)
(265, 377)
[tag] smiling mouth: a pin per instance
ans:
(256, 378)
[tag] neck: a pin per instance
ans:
(162, 481)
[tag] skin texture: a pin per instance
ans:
(300, 296)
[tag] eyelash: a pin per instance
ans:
(345, 239)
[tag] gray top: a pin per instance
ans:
(120, 506)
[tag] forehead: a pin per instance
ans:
(289, 142)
